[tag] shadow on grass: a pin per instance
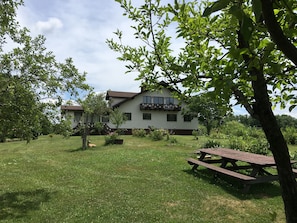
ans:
(75, 150)
(14, 205)
(235, 187)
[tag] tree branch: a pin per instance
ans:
(276, 32)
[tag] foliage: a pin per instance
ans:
(195, 133)
(290, 135)
(63, 128)
(209, 113)
(247, 120)
(111, 138)
(117, 118)
(98, 127)
(158, 134)
(94, 106)
(234, 128)
(139, 132)
(286, 121)
(30, 77)
(252, 145)
(211, 144)
(172, 140)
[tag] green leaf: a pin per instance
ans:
(257, 9)
(247, 28)
(291, 107)
(216, 6)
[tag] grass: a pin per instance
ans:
(52, 180)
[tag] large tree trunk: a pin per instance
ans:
(278, 147)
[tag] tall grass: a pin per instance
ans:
(52, 180)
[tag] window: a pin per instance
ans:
(188, 118)
(147, 99)
(77, 116)
(169, 100)
(171, 117)
(105, 119)
(158, 100)
(128, 116)
(146, 116)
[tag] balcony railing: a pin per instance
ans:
(160, 107)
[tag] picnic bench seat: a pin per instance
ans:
(247, 179)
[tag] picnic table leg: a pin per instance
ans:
(201, 157)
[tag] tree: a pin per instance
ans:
(242, 50)
(117, 118)
(207, 111)
(94, 107)
(30, 76)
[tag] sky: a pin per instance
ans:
(79, 29)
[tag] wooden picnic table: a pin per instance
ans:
(232, 161)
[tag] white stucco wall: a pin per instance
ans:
(158, 118)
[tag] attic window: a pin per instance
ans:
(158, 100)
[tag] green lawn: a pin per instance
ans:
(51, 180)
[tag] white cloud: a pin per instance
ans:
(49, 26)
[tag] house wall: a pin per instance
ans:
(75, 117)
(158, 117)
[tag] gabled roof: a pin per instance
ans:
(72, 108)
(120, 94)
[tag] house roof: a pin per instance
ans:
(120, 94)
(72, 107)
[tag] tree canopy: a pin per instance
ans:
(209, 113)
(241, 50)
(94, 106)
(30, 76)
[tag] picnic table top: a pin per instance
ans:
(251, 158)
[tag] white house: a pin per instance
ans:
(145, 109)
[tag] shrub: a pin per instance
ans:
(172, 140)
(238, 144)
(139, 132)
(290, 135)
(195, 133)
(260, 146)
(111, 138)
(211, 144)
(158, 134)
(234, 128)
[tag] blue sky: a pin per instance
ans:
(79, 29)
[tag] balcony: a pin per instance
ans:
(159, 107)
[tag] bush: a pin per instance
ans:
(234, 128)
(237, 143)
(195, 133)
(290, 135)
(158, 134)
(260, 146)
(111, 138)
(211, 144)
(139, 132)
